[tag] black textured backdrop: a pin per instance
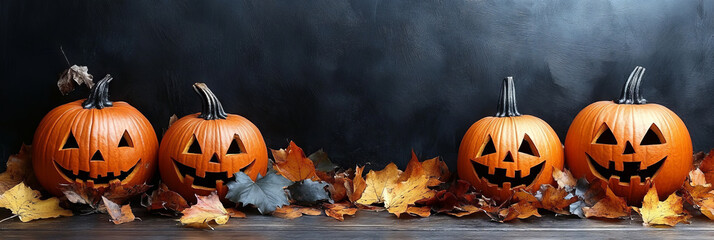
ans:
(366, 80)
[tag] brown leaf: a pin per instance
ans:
(295, 211)
(399, 197)
(554, 199)
(611, 206)
(464, 211)
(172, 120)
(596, 192)
(670, 212)
(83, 193)
(376, 182)
(292, 164)
(235, 213)
(339, 210)
(74, 76)
(424, 211)
(358, 185)
(564, 179)
(452, 199)
(338, 184)
(208, 209)
(707, 167)
(119, 214)
(520, 210)
(163, 198)
(19, 169)
(370, 208)
(26, 204)
(699, 193)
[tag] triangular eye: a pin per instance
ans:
(653, 136)
(125, 140)
(194, 148)
(71, 142)
(236, 146)
(528, 147)
(606, 136)
(489, 148)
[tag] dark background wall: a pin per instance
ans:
(366, 80)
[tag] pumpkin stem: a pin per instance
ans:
(631, 90)
(99, 95)
(212, 108)
(507, 101)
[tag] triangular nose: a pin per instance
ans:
(97, 156)
(628, 148)
(214, 159)
(508, 158)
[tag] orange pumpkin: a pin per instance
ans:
(509, 151)
(628, 142)
(200, 153)
(94, 141)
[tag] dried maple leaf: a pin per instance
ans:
(339, 210)
(433, 168)
(309, 192)
(354, 193)
(235, 213)
(564, 179)
(338, 184)
(293, 165)
(611, 206)
(266, 193)
(414, 169)
(376, 182)
(423, 211)
(436, 168)
(83, 194)
(207, 209)
(26, 204)
(164, 199)
(698, 192)
(670, 212)
(119, 214)
(74, 76)
(321, 161)
(295, 211)
(400, 196)
(707, 167)
(556, 200)
(520, 210)
(19, 169)
(464, 210)
(452, 199)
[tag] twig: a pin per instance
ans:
(8, 218)
(65, 57)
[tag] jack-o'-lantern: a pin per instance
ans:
(200, 153)
(94, 141)
(628, 142)
(509, 151)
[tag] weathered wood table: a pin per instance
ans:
(365, 225)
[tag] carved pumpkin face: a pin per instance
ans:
(629, 142)
(200, 153)
(96, 142)
(509, 151)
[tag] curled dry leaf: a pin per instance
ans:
(83, 194)
(26, 204)
(399, 197)
(564, 179)
(670, 212)
(424, 211)
(464, 210)
(208, 209)
(339, 210)
(321, 161)
(165, 199)
(338, 184)
(119, 214)
(453, 199)
(235, 213)
(611, 206)
(707, 167)
(74, 76)
(436, 168)
(556, 200)
(266, 193)
(295, 211)
(698, 192)
(354, 193)
(293, 165)
(19, 169)
(520, 210)
(376, 182)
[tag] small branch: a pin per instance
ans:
(8, 218)
(65, 57)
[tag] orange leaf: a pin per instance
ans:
(520, 210)
(292, 164)
(399, 197)
(295, 211)
(707, 167)
(163, 198)
(424, 211)
(206, 210)
(564, 178)
(235, 213)
(338, 184)
(119, 214)
(358, 185)
(436, 168)
(376, 182)
(464, 211)
(554, 199)
(339, 210)
(611, 206)
(413, 169)
(670, 212)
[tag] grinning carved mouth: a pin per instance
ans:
(84, 176)
(210, 180)
(499, 177)
(631, 169)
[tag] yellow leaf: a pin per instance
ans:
(207, 209)
(670, 212)
(377, 182)
(25, 203)
(398, 198)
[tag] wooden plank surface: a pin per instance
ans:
(364, 225)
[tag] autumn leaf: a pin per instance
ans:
(208, 209)
(295, 211)
(423, 211)
(354, 193)
(235, 213)
(556, 200)
(119, 214)
(519, 210)
(464, 210)
(436, 168)
(564, 179)
(83, 194)
(266, 193)
(670, 212)
(292, 164)
(321, 161)
(398, 198)
(707, 167)
(452, 199)
(164, 199)
(698, 192)
(338, 184)
(339, 210)
(74, 76)
(376, 182)
(309, 192)
(26, 204)
(414, 169)
(611, 206)
(19, 169)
